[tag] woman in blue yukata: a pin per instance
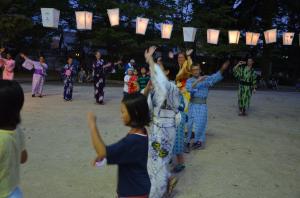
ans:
(198, 87)
(68, 74)
(163, 100)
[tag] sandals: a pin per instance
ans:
(171, 185)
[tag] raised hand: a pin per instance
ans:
(22, 55)
(241, 63)
(171, 55)
(189, 52)
(225, 65)
(149, 53)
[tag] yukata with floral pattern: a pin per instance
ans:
(68, 74)
(99, 80)
(163, 103)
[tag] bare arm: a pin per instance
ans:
(97, 141)
(224, 66)
(24, 157)
(147, 89)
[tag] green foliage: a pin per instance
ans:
(21, 18)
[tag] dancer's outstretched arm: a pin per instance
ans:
(97, 141)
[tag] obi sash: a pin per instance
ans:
(245, 83)
(195, 100)
(39, 71)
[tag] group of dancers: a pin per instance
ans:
(173, 101)
(176, 101)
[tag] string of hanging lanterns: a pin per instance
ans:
(84, 20)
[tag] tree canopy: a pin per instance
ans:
(20, 25)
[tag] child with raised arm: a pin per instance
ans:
(131, 152)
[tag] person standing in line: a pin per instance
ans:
(8, 65)
(68, 73)
(246, 76)
(99, 77)
(39, 75)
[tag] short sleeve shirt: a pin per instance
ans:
(143, 81)
(12, 144)
(131, 155)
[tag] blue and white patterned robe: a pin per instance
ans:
(197, 113)
(163, 103)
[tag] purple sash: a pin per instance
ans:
(39, 71)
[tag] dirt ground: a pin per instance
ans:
(257, 156)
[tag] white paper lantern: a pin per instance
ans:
(141, 25)
(114, 16)
(84, 20)
(189, 34)
(166, 31)
(234, 36)
(288, 38)
(213, 36)
(271, 36)
(50, 17)
(252, 38)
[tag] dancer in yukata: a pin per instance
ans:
(8, 65)
(39, 75)
(99, 77)
(246, 76)
(198, 87)
(163, 100)
(68, 73)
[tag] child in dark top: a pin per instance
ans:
(131, 152)
(143, 78)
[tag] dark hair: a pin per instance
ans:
(138, 110)
(169, 65)
(11, 103)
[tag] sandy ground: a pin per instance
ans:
(246, 157)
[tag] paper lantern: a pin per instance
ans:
(288, 38)
(84, 20)
(141, 25)
(113, 15)
(234, 36)
(271, 36)
(166, 31)
(213, 36)
(189, 34)
(50, 17)
(252, 38)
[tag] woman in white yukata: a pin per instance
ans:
(38, 78)
(163, 100)
(8, 65)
